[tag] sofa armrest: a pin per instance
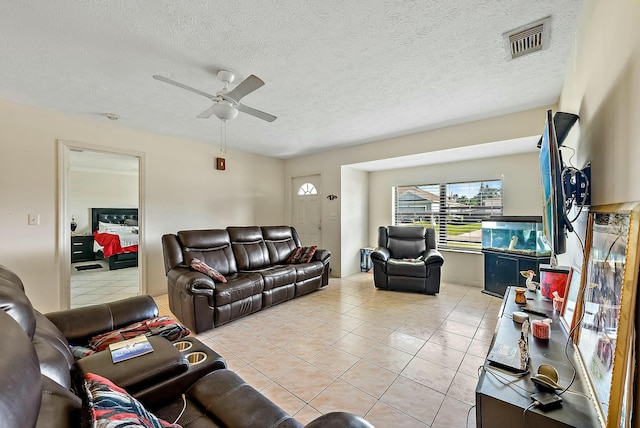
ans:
(433, 258)
(322, 255)
(80, 324)
(191, 281)
(339, 420)
(136, 373)
(229, 399)
(380, 254)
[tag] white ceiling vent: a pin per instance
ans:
(528, 38)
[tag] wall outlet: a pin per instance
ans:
(34, 219)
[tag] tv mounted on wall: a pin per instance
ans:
(555, 220)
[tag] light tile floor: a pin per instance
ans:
(397, 359)
(102, 285)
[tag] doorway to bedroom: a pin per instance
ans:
(102, 196)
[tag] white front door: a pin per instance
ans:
(307, 218)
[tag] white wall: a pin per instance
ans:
(182, 191)
(99, 190)
(603, 87)
(328, 164)
(521, 193)
(355, 210)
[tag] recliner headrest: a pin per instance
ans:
(407, 232)
(247, 234)
(19, 376)
(8, 274)
(204, 239)
(14, 302)
(276, 233)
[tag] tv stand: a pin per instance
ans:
(504, 399)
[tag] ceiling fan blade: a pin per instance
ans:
(207, 113)
(257, 113)
(183, 86)
(245, 87)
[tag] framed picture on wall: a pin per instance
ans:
(605, 306)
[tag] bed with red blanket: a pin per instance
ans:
(115, 232)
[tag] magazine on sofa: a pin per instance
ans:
(130, 348)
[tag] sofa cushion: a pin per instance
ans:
(415, 268)
(280, 241)
(277, 276)
(200, 266)
(309, 270)
(239, 287)
(249, 248)
(161, 326)
(406, 242)
(109, 406)
(211, 246)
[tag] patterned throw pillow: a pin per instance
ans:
(81, 352)
(302, 255)
(294, 257)
(200, 266)
(109, 406)
(160, 326)
(308, 253)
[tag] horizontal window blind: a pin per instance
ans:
(455, 210)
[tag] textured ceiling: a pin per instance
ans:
(337, 73)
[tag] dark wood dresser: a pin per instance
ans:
(82, 248)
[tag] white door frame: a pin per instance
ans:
(64, 242)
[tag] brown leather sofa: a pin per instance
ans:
(253, 259)
(36, 368)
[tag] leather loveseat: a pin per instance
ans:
(36, 367)
(253, 260)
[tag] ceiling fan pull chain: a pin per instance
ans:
(223, 137)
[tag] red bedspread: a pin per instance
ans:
(111, 244)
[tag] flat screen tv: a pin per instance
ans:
(555, 220)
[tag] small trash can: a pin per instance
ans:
(365, 259)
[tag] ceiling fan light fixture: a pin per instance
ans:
(224, 110)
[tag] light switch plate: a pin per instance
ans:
(220, 164)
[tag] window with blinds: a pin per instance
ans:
(455, 210)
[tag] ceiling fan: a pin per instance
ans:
(226, 103)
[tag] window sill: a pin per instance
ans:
(460, 250)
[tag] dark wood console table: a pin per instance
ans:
(501, 401)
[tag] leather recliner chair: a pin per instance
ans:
(407, 259)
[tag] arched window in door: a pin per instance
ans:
(307, 189)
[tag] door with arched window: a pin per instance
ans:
(307, 209)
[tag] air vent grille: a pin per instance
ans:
(527, 39)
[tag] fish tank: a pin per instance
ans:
(515, 235)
